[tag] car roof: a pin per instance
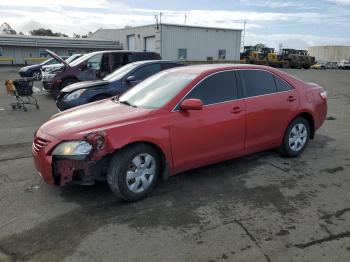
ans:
(154, 62)
(121, 51)
(208, 68)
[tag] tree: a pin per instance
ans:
(87, 35)
(5, 28)
(259, 46)
(46, 32)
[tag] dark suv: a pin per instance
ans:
(93, 66)
(114, 84)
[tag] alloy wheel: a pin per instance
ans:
(297, 137)
(140, 173)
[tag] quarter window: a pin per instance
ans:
(1, 51)
(95, 62)
(282, 85)
(257, 82)
(217, 88)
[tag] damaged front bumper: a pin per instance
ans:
(62, 171)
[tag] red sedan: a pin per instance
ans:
(178, 120)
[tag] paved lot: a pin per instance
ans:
(258, 208)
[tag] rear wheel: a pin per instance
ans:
(133, 172)
(296, 137)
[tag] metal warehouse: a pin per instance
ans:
(19, 49)
(330, 53)
(178, 42)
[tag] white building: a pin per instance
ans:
(23, 49)
(330, 53)
(178, 42)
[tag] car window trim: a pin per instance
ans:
(240, 87)
(227, 70)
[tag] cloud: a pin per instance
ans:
(263, 23)
(340, 2)
(52, 4)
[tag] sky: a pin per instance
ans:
(293, 24)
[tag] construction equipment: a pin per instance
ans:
(270, 57)
(307, 60)
(290, 58)
(260, 56)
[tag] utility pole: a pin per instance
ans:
(185, 18)
(245, 22)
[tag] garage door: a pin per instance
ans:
(150, 44)
(131, 42)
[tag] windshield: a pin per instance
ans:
(81, 59)
(121, 72)
(157, 90)
(71, 58)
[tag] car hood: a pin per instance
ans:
(50, 67)
(26, 68)
(58, 58)
(75, 123)
(85, 84)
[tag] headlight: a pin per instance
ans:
(72, 149)
(75, 94)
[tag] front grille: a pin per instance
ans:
(38, 145)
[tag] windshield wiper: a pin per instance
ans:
(126, 103)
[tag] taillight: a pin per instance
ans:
(323, 95)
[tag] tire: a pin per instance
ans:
(99, 97)
(36, 75)
(128, 173)
(68, 82)
(286, 64)
(296, 130)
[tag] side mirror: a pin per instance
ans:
(130, 79)
(191, 104)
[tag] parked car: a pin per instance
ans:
(34, 71)
(177, 120)
(93, 66)
(319, 66)
(344, 64)
(113, 84)
(56, 67)
(332, 65)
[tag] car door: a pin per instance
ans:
(140, 74)
(270, 104)
(214, 133)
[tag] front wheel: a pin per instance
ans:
(68, 82)
(296, 137)
(36, 75)
(133, 172)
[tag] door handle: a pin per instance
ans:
(291, 98)
(236, 110)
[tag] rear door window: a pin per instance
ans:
(257, 82)
(217, 88)
(282, 85)
(146, 71)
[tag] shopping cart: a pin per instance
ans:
(21, 88)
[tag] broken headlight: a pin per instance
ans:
(72, 149)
